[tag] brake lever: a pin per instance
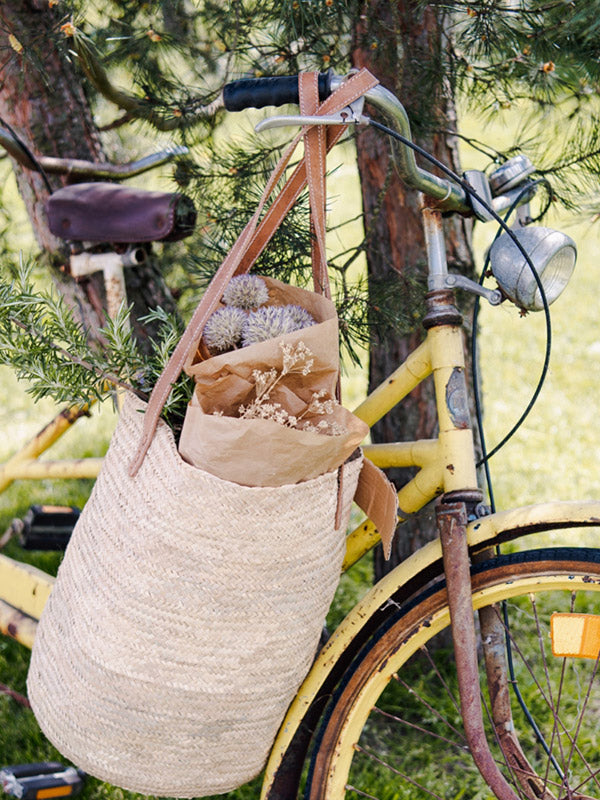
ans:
(350, 115)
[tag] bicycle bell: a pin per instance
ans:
(510, 174)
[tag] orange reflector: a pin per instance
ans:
(575, 635)
(55, 791)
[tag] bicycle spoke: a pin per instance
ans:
(402, 775)
(504, 763)
(593, 776)
(430, 708)
(462, 747)
(552, 707)
(557, 721)
(441, 679)
(360, 793)
(527, 665)
(555, 732)
(581, 715)
(419, 728)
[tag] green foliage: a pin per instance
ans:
(539, 59)
(173, 57)
(36, 330)
(170, 59)
(46, 346)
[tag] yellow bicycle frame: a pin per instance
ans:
(25, 464)
(446, 464)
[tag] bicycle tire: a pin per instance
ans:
(376, 689)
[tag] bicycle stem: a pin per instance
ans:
(439, 277)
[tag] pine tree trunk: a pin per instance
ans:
(400, 42)
(43, 100)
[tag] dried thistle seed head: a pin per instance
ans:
(267, 323)
(246, 291)
(301, 317)
(223, 331)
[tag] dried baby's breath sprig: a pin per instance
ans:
(264, 381)
(321, 403)
(325, 427)
(223, 331)
(273, 411)
(296, 359)
(246, 291)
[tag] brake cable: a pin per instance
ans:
(486, 456)
(484, 461)
(502, 224)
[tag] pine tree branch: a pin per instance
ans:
(134, 106)
(124, 119)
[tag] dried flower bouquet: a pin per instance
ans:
(263, 411)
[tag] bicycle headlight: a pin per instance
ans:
(553, 255)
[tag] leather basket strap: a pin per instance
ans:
(237, 261)
(315, 152)
(209, 302)
(356, 86)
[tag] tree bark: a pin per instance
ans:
(401, 43)
(43, 100)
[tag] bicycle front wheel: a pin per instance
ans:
(393, 729)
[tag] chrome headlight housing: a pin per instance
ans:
(553, 255)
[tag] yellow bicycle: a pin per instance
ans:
(387, 711)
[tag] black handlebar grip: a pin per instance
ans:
(260, 92)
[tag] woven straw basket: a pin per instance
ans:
(184, 617)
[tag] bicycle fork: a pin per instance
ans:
(452, 526)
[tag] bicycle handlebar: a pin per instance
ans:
(277, 91)
(80, 168)
(261, 92)
(258, 93)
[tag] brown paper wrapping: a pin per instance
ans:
(259, 452)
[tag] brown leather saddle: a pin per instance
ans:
(114, 214)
